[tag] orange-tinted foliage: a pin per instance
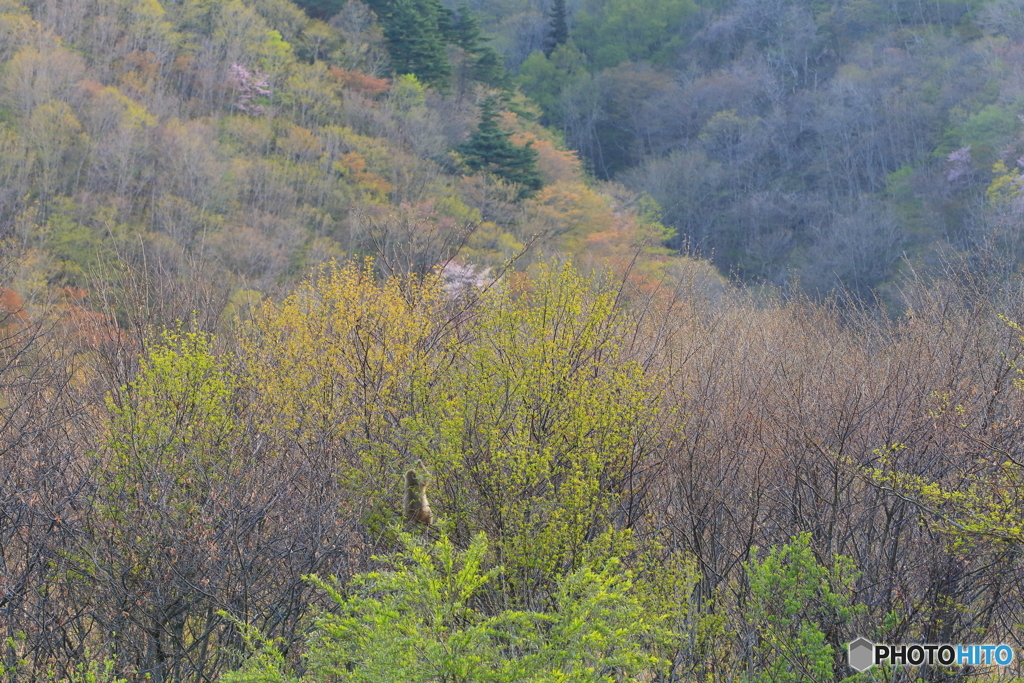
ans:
(93, 330)
(11, 306)
(354, 165)
(360, 82)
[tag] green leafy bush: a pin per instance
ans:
(426, 619)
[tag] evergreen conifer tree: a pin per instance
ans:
(466, 30)
(558, 30)
(416, 32)
(487, 66)
(445, 21)
(321, 9)
(490, 150)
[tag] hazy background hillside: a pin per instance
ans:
(827, 139)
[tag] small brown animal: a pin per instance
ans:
(417, 507)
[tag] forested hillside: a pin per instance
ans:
(277, 278)
(256, 141)
(841, 141)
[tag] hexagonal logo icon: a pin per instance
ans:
(860, 654)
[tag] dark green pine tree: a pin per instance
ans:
(487, 66)
(466, 30)
(445, 21)
(321, 9)
(558, 30)
(415, 31)
(490, 150)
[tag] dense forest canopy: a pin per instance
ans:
(844, 142)
(837, 145)
(258, 141)
(260, 261)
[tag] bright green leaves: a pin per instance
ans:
(412, 623)
(988, 131)
(168, 466)
(422, 621)
(180, 400)
(171, 426)
(243, 34)
(983, 503)
(794, 602)
(535, 430)
(529, 414)
(530, 419)
(547, 79)
(599, 624)
(983, 506)
(93, 671)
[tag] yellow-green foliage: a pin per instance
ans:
(983, 506)
(170, 426)
(538, 418)
(422, 621)
(1005, 185)
(794, 601)
(336, 358)
(528, 418)
(132, 116)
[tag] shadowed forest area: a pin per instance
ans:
(842, 140)
(259, 260)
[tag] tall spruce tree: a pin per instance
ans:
(558, 29)
(490, 150)
(487, 65)
(416, 32)
(321, 9)
(466, 30)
